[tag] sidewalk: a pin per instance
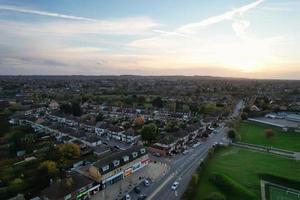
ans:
(116, 191)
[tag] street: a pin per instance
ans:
(182, 169)
(184, 166)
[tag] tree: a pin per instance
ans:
(269, 133)
(231, 134)
(209, 108)
(4, 124)
(22, 137)
(244, 116)
(50, 167)
(66, 108)
(69, 151)
(139, 121)
(99, 117)
(194, 108)
(76, 109)
(157, 102)
(149, 132)
(171, 126)
(185, 108)
(141, 99)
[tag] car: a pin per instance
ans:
(156, 154)
(137, 190)
(127, 197)
(146, 183)
(185, 152)
(196, 145)
(175, 185)
(142, 196)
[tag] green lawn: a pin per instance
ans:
(243, 167)
(252, 132)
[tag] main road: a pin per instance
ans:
(183, 167)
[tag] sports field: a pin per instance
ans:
(243, 167)
(278, 193)
(254, 133)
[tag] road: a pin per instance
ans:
(182, 170)
(183, 166)
(237, 109)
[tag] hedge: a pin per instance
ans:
(230, 187)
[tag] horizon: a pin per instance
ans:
(252, 39)
(158, 76)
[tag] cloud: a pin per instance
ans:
(43, 13)
(193, 27)
(122, 26)
(77, 24)
(239, 27)
(188, 31)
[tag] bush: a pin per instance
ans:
(215, 196)
(230, 187)
(231, 134)
(244, 116)
(269, 133)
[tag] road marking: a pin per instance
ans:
(161, 186)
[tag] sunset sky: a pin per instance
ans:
(235, 38)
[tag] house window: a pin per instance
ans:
(116, 163)
(125, 158)
(143, 150)
(105, 168)
(134, 154)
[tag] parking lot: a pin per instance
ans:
(153, 171)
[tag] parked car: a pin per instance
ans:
(196, 145)
(156, 154)
(146, 183)
(142, 196)
(175, 185)
(127, 197)
(185, 152)
(137, 190)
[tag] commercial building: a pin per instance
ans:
(76, 186)
(117, 166)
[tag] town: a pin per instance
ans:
(143, 137)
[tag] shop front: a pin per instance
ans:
(83, 194)
(136, 166)
(113, 179)
(145, 162)
(128, 172)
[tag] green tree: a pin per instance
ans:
(69, 151)
(66, 108)
(233, 135)
(149, 132)
(157, 102)
(244, 116)
(99, 117)
(76, 109)
(21, 137)
(50, 167)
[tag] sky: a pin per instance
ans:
(231, 38)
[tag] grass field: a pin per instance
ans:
(254, 133)
(276, 193)
(243, 167)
